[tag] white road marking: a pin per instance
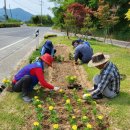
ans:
(13, 43)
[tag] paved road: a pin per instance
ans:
(16, 44)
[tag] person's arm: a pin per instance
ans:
(40, 75)
(76, 54)
(43, 50)
(102, 84)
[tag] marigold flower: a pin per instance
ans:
(74, 127)
(79, 100)
(36, 123)
(35, 97)
(89, 126)
(55, 126)
(61, 90)
(51, 108)
(4, 80)
(68, 101)
(84, 117)
(37, 100)
(87, 95)
(73, 117)
(100, 117)
(40, 106)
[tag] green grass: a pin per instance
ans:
(13, 112)
(119, 107)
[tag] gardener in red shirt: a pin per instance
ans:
(25, 80)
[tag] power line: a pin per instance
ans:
(25, 6)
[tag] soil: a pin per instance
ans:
(56, 76)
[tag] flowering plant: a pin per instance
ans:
(55, 126)
(6, 82)
(36, 126)
(71, 79)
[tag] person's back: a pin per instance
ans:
(85, 51)
(47, 48)
(113, 76)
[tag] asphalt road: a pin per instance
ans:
(16, 44)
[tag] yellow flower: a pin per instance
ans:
(73, 117)
(68, 101)
(100, 117)
(79, 100)
(87, 95)
(51, 108)
(37, 100)
(74, 127)
(55, 126)
(89, 126)
(61, 90)
(40, 106)
(4, 80)
(36, 123)
(84, 117)
(35, 97)
(71, 78)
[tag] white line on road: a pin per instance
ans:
(14, 43)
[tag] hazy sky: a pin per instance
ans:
(32, 6)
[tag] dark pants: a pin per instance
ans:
(22, 85)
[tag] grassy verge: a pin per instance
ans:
(119, 110)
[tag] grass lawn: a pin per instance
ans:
(14, 112)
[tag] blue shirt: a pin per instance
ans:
(83, 52)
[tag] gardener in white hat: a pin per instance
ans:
(107, 83)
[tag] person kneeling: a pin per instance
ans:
(107, 83)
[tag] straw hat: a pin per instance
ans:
(98, 59)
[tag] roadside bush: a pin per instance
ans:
(6, 25)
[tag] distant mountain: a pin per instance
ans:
(17, 13)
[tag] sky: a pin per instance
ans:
(31, 6)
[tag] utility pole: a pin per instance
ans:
(41, 12)
(10, 11)
(6, 16)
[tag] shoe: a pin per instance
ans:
(100, 96)
(27, 99)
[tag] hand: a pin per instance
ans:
(56, 88)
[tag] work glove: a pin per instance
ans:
(56, 88)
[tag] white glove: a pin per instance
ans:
(56, 88)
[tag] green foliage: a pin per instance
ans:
(6, 25)
(44, 20)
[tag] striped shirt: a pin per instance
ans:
(110, 78)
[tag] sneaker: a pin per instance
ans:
(100, 96)
(27, 99)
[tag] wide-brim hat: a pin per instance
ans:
(47, 58)
(98, 59)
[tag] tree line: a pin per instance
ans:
(108, 18)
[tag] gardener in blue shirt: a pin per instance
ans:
(82, 52)
(107, 83)
(48, 48)
(82, 41)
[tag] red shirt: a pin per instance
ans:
(40, 75)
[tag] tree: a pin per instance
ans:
(70, 21)
(107, 16)
(88, 26)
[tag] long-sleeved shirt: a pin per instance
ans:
(83, 52)
(110, 78)
(39, 74)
